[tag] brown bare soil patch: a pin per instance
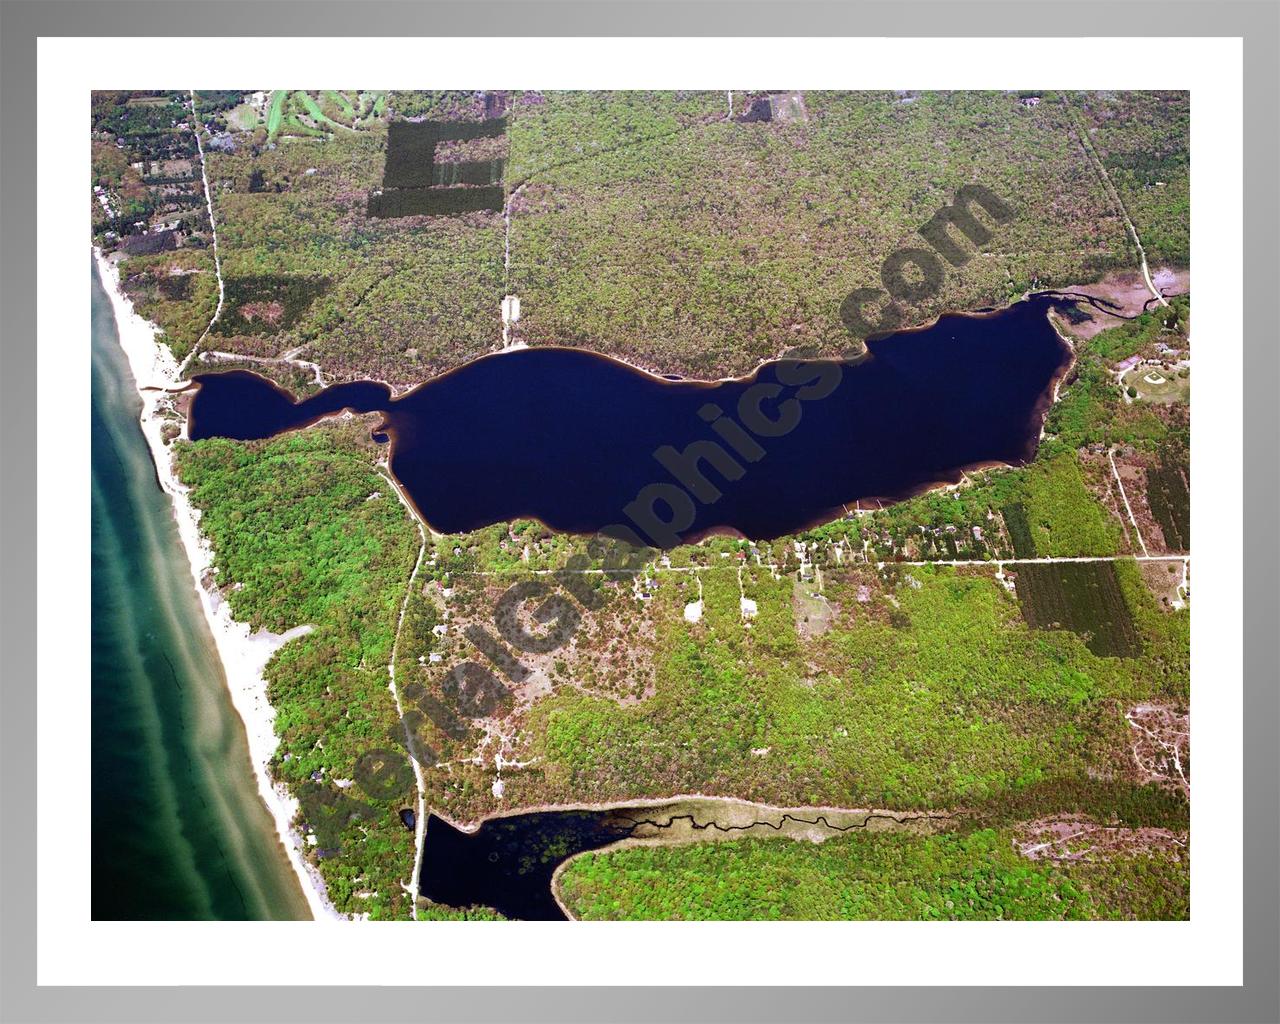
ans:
(266, 312)
(1161, 744)
(1163, 580)
(1074, 837)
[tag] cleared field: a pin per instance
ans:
(242, 118)
(1169, 497)
(1154, 384)
(1084, 597)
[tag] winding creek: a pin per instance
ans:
(512, 862)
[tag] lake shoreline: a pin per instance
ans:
(688, 819)
(242, 653)
(245, 405)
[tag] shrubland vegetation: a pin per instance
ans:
(648, 225)
(553, 130)
(405, 299)
(447, 105)
(177, 291)
(926, 689)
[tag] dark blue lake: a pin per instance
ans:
(508, 862)
(585, 443)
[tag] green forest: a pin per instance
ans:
(955, 876)
(307, 532)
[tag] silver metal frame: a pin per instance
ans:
(21, 23)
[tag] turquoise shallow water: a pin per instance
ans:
(178, 829)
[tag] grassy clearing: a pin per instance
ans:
(275, 112)
(243, 118)
(1158, 384)
(343, 104)
(307, 103)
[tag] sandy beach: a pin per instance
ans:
(244, 654)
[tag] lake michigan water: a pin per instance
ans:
(178, 829)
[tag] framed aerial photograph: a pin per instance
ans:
(564, 511)
(576, 542)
